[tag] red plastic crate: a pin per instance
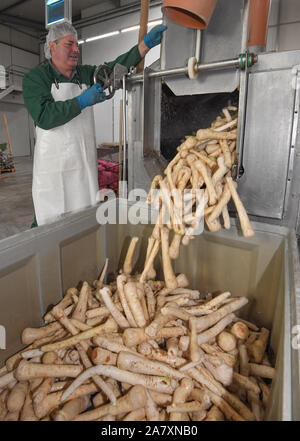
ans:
(108, 174)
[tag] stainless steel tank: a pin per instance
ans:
(36, 267)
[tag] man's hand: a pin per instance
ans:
(153, 38)
(91, 96)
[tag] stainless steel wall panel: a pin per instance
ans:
(268, 129)
(150, 117)
(144, 119)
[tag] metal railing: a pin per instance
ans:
(13, 79)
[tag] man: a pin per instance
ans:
(58, 95)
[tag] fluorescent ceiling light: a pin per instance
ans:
(50, 2)
(155, 22)
(111, 34)
(98, 37)
(131, 28)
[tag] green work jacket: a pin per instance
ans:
(37, 83)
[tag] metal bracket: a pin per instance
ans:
(247, 60)
(111, 79)
(118, 73)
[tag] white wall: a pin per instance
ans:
(27, 41)
(272, 37)
(107, 114)
(284, 26)
(289, 25)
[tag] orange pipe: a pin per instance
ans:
(258, 23)
(194, 14)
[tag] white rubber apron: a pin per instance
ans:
(65, 176)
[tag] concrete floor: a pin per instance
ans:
(16, 213)
(16, 205)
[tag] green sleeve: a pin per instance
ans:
(130, 58)
(45, 112)
(86, 74)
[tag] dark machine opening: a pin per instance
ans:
(183, 115)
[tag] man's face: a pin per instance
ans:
(65, 52)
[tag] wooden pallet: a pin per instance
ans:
(7, 170)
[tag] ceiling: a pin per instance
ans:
(31, 13)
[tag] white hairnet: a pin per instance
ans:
(57, 31)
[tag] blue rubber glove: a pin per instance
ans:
(91, 96)
(153, 38)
